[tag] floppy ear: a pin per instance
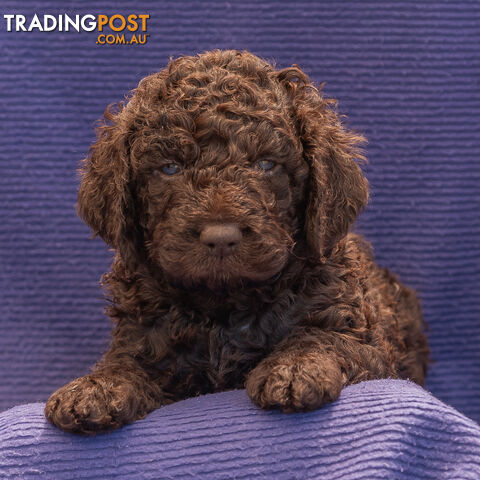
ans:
(105, 200)
(337, 189)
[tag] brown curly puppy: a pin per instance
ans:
(227, 189)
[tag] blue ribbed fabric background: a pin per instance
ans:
(406, 74)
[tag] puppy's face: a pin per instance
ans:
(216, 167)
(221, 184)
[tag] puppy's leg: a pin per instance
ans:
(113, 395)
(310, 367)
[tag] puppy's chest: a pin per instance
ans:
(244, 330)
(233, 338)
(229, 343)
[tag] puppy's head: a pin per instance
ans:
(217, 167)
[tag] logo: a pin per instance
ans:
(111, 30)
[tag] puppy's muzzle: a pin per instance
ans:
(221, 239)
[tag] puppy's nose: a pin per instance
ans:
(221, 239)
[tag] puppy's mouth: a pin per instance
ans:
(220, 273)
(226, 274)
(223, 257)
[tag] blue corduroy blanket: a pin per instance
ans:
(384, 429)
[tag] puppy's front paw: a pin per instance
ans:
(295, 384)
(91, 404)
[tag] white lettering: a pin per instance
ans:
(35, 23)
(53, 26)
(20, 23)
(90, 26)
(9, 19)
(74, 23)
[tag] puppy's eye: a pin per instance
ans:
(170, 169)
(265, 165)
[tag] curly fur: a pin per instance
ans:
(298, 311)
